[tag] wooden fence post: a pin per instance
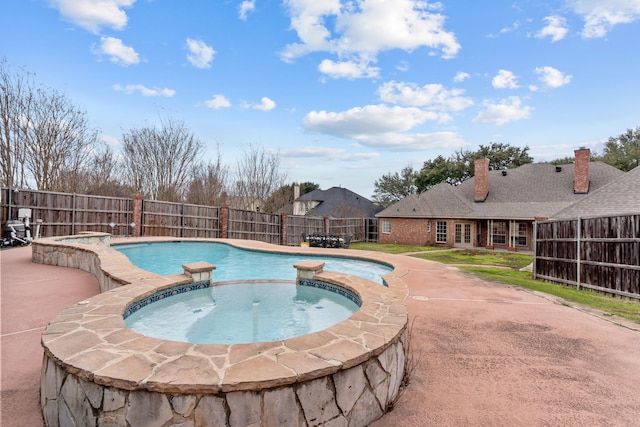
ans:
(224, 221)
(325, 220)
(137, 215)
(283, 229)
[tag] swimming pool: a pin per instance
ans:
(347, 374)
(234, 263)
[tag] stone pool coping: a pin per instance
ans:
(90, 340)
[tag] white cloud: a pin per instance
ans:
(217, 102)
(328, 153)
(461, 76)
(506, 30)
(373, 125)
(347, 69)
(394, 141)
(117, 52)
(92, 15)
(200, 54)
(552, 78)
(245, 7)
(265, 105)
(507, 110)
(601, 16)
(556, 28)
(364, 29)
(505, 80)
(145, 91)
(432, 96)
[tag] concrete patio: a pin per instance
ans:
(482, 354)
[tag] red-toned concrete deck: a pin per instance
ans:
(484, 354)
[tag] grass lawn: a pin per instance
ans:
(394, 249)
(480, 257)
(503, 267)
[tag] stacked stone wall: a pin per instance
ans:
(351, 397)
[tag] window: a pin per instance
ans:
(521, 234)
(386, 226)
(499, 233)
(441, 232)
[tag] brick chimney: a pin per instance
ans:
(581, 171)
(481, 179)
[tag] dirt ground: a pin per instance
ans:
(481, 354)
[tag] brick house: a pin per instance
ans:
(494, 209)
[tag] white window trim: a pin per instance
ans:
(439, 233)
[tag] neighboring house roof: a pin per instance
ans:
(621, 196)
(338, 202)
(531, 190)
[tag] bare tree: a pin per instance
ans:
(58, 141)
(46, 140)
(14, 87)
(158, 162)
(258, 175)
(101, 176)
(208, 185)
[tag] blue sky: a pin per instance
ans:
(344, 91)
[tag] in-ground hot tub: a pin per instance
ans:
(98, 372)
(242, 312)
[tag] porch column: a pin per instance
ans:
(512, 236)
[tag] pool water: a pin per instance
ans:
(239, 264)
(242, 313)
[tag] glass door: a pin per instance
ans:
(462, 234)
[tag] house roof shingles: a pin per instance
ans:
(529, 191)
(337, 200)
(621, 196)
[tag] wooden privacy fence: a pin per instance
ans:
(64, 214)
(179, 220)
(600, 253)
(297, 226)
(252, 225)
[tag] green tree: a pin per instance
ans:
(623, 152)
(503, 156)
(440, 169)
(394, 186)
(568, 160)
(459, 167)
